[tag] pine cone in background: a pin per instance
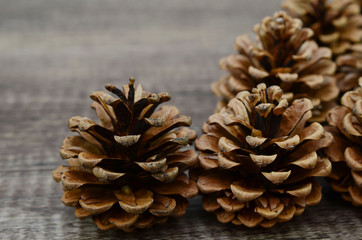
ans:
(349, 68)
(285, 56)
(128, 171)
(346, 152)
(260, 159)
(336, 24)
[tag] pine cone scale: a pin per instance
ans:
(230, 205)
(213, 182)
(353, 158)
(123, 220)
(135, 203)
(97, 203)
(162, 206)
(180, 186)
(243, 193)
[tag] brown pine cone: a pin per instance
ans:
(284, 56)
(346, 152)
(128, 171)
(349, 68)
(336, 24)
(260, 159)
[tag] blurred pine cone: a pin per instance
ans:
(349, 68)
(336, 24)
(260, 159)
(128, 171)
(285, 56)
(346, 152)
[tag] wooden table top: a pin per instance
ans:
(53, 54)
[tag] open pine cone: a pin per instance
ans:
(349, 68)
(285, 56)
(336, 24)
(260, 159)
(128, 171)
(346, 152)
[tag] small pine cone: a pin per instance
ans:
(349, 68)
(128, 171)
(284, 56)
(345, 124)
(336, 24)
(260, 159)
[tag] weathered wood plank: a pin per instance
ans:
(53, 54)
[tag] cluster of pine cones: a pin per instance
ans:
(290, 110)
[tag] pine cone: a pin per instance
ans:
(346, 152)
(336, 24)
(284, 56)
(128, 171)
(260, 159)
(349, 68)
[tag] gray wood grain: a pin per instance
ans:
(54, 53)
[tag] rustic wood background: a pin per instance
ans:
(54, 53)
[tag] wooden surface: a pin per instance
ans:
(53, 54)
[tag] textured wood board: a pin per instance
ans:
(53, 54)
